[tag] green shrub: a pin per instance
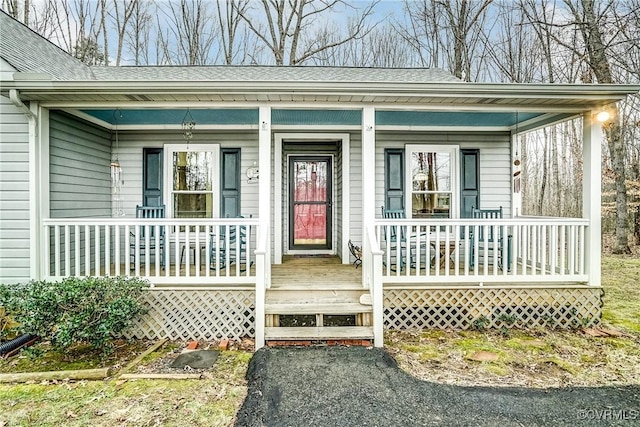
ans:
(77, 310)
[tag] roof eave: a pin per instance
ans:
(33, 85)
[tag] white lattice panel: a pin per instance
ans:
(196, 315)
(491, 308)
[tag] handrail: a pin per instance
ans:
(151, 221)
(483, 221)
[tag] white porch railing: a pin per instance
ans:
(164, 251)
(483, 251)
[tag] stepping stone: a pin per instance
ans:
(199, 359)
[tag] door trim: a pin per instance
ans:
(330, 226)
(277, 224)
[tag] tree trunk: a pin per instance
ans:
(599, 64)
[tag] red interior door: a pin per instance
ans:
(310, 202)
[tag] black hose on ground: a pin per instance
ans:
(15, 343)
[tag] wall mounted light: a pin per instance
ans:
(603, 116)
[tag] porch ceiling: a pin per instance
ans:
(297, 117)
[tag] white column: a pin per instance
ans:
(371, 276)
(591, 194)
(368, 174)
(263, 271)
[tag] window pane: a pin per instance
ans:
(432, 205)
(193, 205)
(431, 171)
(192, 171)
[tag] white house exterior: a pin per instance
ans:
(359, 131)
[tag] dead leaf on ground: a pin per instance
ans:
(483, 356)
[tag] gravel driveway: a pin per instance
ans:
(341, 386)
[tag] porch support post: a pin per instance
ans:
(263, 281)
(591, 194)
(369, 278)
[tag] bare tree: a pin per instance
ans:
(122, 13)
(229, 19)
(449, 33)
(591, 28)
(137, 34)
(191, 25)
(287, 27)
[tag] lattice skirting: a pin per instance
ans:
(491, 308)
(196, 315)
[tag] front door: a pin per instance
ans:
(310, 202)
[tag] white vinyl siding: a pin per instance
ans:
(495, 163)
(130, 149)
(14, 194)
(355, 199)
(79, 174)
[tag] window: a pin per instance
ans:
(193, 180)
(431, 180)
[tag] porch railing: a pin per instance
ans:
(165, 251)
(479, 250)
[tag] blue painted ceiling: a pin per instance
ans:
(227, 116)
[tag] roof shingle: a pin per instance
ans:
(27, 51)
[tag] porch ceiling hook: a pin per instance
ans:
(188, 124)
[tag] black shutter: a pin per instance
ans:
(152, 177)
(393, 178)
(469, 181)
(230, 183)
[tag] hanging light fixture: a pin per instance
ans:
(421, 176)
(188, 124)
(116, 171)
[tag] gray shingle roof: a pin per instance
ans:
(27, 51)
(275, 74)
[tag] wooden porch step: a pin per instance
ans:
(341, 308)
(319, 333)
(314, 296)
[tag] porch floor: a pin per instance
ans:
(315, 272)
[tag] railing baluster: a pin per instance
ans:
(56, 251)
(563, 249)
(87, 250)
(76, 234)
(107, 251)
(96, 251)
(581, 249)
(67, 251)
(117, 243)
(572, 249)
(543, 250)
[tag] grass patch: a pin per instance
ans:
(210, 402)
(621, 282)
(42, 357)
(537, 357)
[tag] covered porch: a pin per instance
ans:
(446, 270)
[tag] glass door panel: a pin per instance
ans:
(310, 197)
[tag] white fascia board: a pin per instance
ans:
(311, 105)
(594, 92)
